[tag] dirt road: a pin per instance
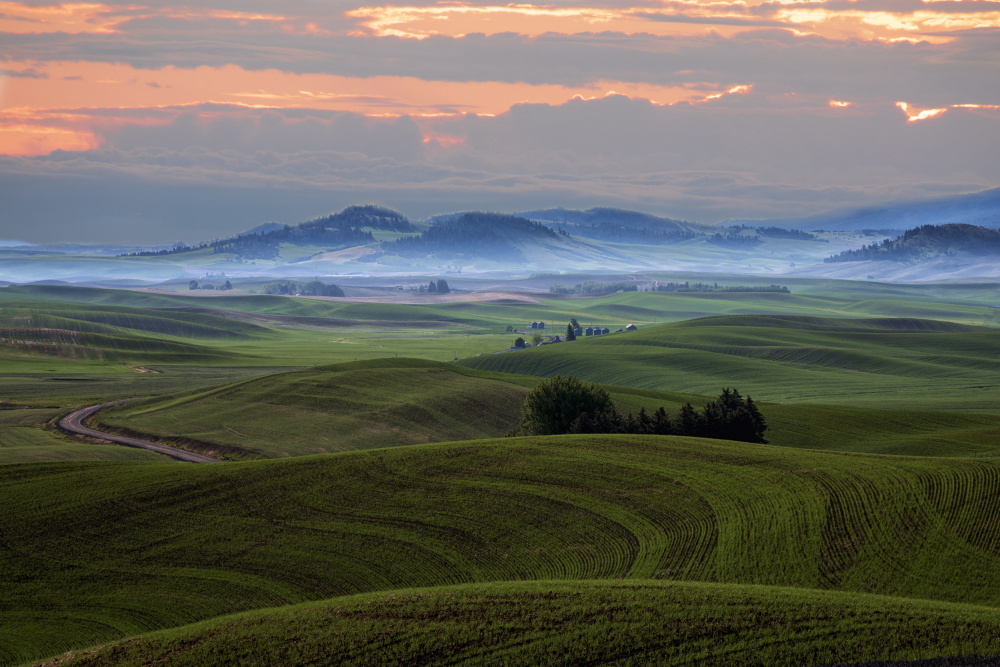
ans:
(73, 423)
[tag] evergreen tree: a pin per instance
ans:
(442, 287)
(570, 334)
(687, 422)
(432, 287)
(661, 422)
(193, 284)
(519, 342)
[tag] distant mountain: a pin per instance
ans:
(618, 225)
(350, 227)
(980, 208)
(488, 235)
(928, 242)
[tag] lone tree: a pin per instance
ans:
(555, 403)
(518, 342)
(570, 334)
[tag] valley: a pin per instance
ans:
(366, 497)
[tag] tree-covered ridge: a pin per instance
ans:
(927, 242)
(492, 235)
(348, 228)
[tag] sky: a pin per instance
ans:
(152, 122)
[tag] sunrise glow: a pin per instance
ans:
(657, 97)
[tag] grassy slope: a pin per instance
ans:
(23, 441)
(594, 622)
(405, 401)
(337, 408)
(105, 549)
(884, 363)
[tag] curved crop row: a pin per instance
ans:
(103, 550)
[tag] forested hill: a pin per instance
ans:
(348, 228)
(926, 243)
(491, 235)
(618, 225)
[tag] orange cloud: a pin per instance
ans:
(28, 140)
(459, 19)
(840, 104)
(913, 114)
(73, 18)
(97, 18)
(101, 85)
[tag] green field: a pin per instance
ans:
(391, 522)
(575, 622)
(897, 363)
(132, 547)
(331, 409)
(360, 405)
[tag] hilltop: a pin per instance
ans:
(926, 243)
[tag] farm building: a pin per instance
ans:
(631, 327)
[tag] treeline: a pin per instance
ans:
(562, 405)
(927, 242)
(591, 287)
(733, 240)
(716, 287)
(778, 232)
(472, 235)
(291, 287)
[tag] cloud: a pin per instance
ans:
(30, 73)
(925, 73)
(702, 162)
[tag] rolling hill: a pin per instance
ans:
(106, 550)
(575, 622)
(893, 363)
(927, 243)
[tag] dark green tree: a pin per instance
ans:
(442, 287)
(661, 422)
(688, 421)
(193, 284)
(555, 403)
(518, 342)
(570, 334)
(432, 287)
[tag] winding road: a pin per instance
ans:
(73, 423)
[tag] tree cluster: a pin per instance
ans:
(591, 287)
(439, 286)
(291, 287)
(561, 405)
(778, 232)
